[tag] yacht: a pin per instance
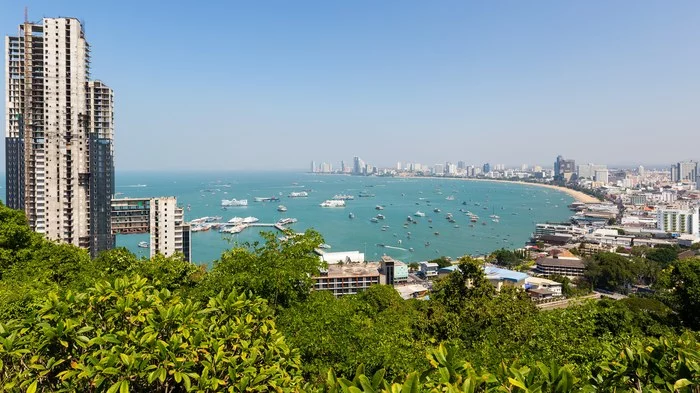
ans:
(379, 207)
(333, 203)
(343, 197)
(250, 220)
(374, 219)
(234, 202)
(419, 214)
(235, 220)
(299, 194)
(143, 244)
(281, 208)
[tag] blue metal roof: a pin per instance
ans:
(505, 274)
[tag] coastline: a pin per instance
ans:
(577, 195)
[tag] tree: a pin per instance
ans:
(442, 262)
(662, 255)
(280, 271)
(681, 286)
(610, 271)
(506, 258)
(413, 266)
(128, 335)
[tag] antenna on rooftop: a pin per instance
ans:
(26, 14)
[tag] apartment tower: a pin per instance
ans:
(59, 131)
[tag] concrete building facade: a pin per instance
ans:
(679, 220)
(160, 217)
(58, 134)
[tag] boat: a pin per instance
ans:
(266, 199)
(250, 220)
(298, 194)
(450, 198)
(419, 214)
(436, 210)
(410, 249)
(365, 194)
(343, 197)
(333, 203)
(281, 208)
(380, 217)
(494, 216)
(285, 221)
(456, 226)
(474, 219)
(448, 216)
(436, 233)
(236, 220)
(351, 216)
(234, 202)
(379, 207)
(374, 219)
(324, 246)
(143, 244)
(495, 220)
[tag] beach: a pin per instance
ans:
(577, 195)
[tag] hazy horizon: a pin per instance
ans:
(253, 86)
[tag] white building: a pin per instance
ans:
(58, 134)
(160, 217)
(679, 220)
(429, 269)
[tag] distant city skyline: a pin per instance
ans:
(252, 86)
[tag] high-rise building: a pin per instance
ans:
(357, 165)
(564, 169)
(59, 131)
(679, 220)
(684, 171)
(313, 167)
(487, 168)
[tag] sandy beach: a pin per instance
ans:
(577, 195)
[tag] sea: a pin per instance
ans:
(518, 206)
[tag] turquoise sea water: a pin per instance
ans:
(519, 208)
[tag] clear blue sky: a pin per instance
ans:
(274, 84)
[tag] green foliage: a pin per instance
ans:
(680, 290)
(506, 258)
(611, 271)
(374, 327)
(279, 271)
(442, 262)
(128, 335)
(662, 255)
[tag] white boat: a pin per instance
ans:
(343, 197)
(379, 207)
(143, 244)
(494, 216)
(450, 198)
(351, 216)
(333, 203)
(236, 220)
(419, 214)
(250, 220)
(324, 246)
(281, 208)
(380, 217)
(234, 202)
(300, 194)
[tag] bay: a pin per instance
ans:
(519, 207)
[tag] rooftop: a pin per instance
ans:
(352, 270)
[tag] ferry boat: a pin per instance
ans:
(419, 214)
(143, 244)
(266, 199)
(299, 194)
(234, 202)
(333, 203)
(343, 197)
(281, 208)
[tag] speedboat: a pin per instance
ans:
(143, 244)
(281, 208)
(419, 214)
(351, 216)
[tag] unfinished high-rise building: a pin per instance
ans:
(59, 131)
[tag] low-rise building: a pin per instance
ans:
(429, 269)
(348, 278)
(540, 283)
(567, 266)
(499, 277)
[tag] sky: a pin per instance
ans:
(268, 85)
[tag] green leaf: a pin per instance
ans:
(124, 388)
(32, 387)
(681, 383)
